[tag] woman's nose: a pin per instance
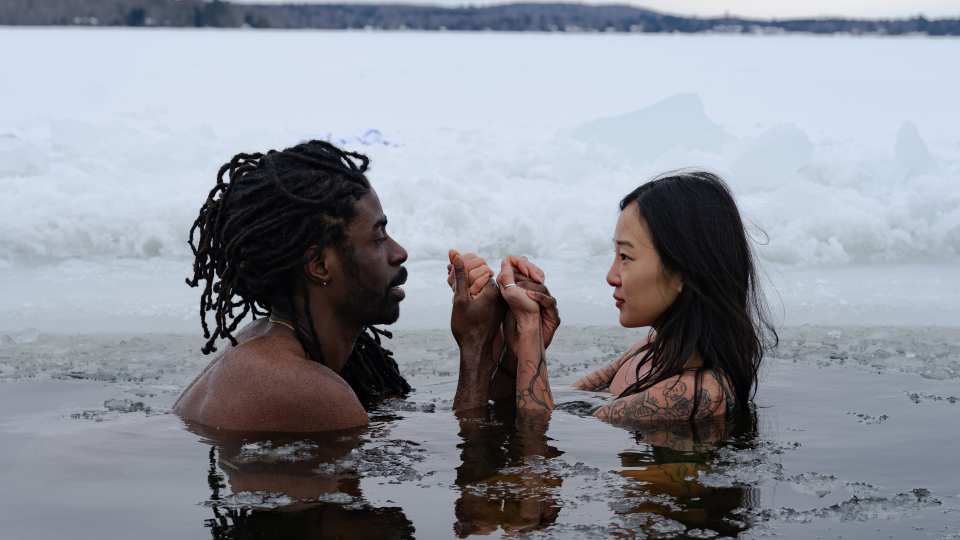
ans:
(613, 275)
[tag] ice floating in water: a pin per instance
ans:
(917, 397)
(112, 408)
(125, 406)
(22, 337)
(929, 353)
(264, 500)
(856, 509)
(868, 419)
(268, 452)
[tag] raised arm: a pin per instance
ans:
(503, 386)
(533, 397)
(475, 321)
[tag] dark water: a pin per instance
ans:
(855, 435)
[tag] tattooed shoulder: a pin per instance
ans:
(672, 399)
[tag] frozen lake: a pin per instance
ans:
(844, 154)
(844, 151)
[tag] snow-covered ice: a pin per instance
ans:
(843, 152)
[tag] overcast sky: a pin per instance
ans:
(751, 8)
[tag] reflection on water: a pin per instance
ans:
(274, 486)
(498, 488)
(665, 496)
(509, 480)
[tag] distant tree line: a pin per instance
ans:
(507, 17)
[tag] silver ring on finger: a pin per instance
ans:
(508, 285)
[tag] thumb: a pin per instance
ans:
(545, 300)
(460, 292)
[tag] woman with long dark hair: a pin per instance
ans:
(682, 267)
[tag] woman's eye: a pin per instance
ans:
(624, 257)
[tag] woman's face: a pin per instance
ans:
(643, 290)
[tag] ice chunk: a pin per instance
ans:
(777, 153)
(676, 122)
(911, 151)
(18, 158)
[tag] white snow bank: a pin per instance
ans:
(495, 143)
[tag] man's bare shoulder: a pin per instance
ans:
(266, 384)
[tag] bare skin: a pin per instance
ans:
(528, 276)
(267, 382)
(475, 323)
(670, 399)
(525, 337)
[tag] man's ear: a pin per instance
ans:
(316, 266)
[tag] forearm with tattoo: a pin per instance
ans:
(534, 398)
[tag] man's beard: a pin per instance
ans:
(373, 306)
(370, 305)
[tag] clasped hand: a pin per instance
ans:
(480, 307)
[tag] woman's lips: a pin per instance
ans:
(618, 301)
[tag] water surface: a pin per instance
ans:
(853, 436)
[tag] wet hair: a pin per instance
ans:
(249, 242)
(720, 313)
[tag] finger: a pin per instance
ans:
(472, 260)
(477, 273)
(529, 269)
(460, 277)
(506, 273)
(450, 275)
(535, 271)
(480, 280)
(530, 284)
(545, 300)
(524, 267)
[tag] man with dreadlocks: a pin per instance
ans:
(296, 240)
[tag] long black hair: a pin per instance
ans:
(249, 242)
(720, 313)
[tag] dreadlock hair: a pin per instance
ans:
(720, 314)
(249, 242)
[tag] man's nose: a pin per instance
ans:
(398, 255)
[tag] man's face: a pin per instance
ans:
(372, 266)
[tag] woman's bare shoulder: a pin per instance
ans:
(693, 393)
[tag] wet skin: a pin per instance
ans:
(267, 382)
(643, 290)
